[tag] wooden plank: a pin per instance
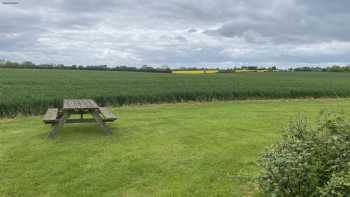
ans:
(58, 126)
(51, 115)
(100, 123)
(73, 121)
(88, 120)
(107, 114)
(79, 104)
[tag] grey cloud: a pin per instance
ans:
(315, 21)
(176, 32)
(192, 30)
(325, 7)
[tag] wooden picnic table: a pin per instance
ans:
(57, 118)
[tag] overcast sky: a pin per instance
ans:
(176, 32)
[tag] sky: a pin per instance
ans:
(177, 33)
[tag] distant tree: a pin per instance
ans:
(27, 64)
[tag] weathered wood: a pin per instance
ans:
(79, 104)
(73, 121)
(85, 120)
(107, 114)
(100, 123)
(51, 116)
(58, 126)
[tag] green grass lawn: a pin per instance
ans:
(186, 149)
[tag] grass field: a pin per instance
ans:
(186, 149)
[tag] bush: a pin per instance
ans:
(309, 161)
(338, 185)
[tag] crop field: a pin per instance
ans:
(195, 72)
(32, 91)
(184, 149)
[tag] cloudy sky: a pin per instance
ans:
(176, 32)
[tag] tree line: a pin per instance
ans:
(30, 65)
(334, 68)
(166, 69)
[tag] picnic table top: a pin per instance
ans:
(79, 104)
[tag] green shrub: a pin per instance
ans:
(309, 161)
(338, 185)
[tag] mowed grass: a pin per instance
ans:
(187, 149)
(32, 91)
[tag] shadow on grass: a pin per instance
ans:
(82, 131)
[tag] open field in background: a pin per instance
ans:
(32, 91)
(186, 149)
(194, 72)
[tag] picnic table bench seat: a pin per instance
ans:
(51, 116)
(107, 114)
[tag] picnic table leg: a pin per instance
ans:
(58, 125)
(100, 122)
